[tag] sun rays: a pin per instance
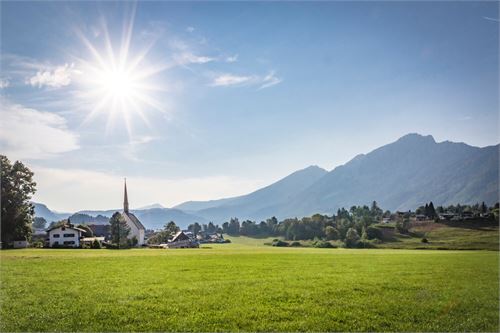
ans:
(118, 81)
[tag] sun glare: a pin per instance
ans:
(118, 83)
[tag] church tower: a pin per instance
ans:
(125, 198)
(137, 230)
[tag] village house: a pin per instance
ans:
(65, 235)
(137, 230)
(181, 241)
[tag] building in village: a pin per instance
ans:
(181, 241)
(137, 230)
(66, 235)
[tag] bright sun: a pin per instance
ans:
(118, 83)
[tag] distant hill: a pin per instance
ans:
(79, 218)
(399, 176)
(256, 203)
(42, 210)
(152, 218)
(155, 205)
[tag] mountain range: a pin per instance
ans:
(401, 175)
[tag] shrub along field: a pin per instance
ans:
(245, 286)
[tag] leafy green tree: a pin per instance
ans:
(171, 228)
(119, 230)
(351, 238)
(331, 233)
(403, 225)
(194, 228)
(233, 227)
(17, 188)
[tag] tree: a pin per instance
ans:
(351, 238)
(331, 233)
(233, 227)
(39, 223)
(194, 228)
(171, 228)
(432, 211)
(402, 226)
(119, 230)
(17, 187)
(484, 208)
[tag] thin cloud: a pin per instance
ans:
(270, 80)
(56, 78)
(491, 19)
(31, 134)
(225, 80)
(189, 58)
(233, 58)
(190, 29)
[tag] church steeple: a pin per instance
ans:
(125, 198)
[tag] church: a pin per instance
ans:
(137, 230)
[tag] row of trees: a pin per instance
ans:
(476, 209)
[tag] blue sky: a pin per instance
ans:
(234, 95)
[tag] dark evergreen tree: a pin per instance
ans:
(119, 230)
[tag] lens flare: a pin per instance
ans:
(119, 83)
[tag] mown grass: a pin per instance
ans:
(244, 286)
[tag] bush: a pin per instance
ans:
(374, 232)
(38, 244)
(227, 241)
(295, 244)
(322, 244)
(424, 240)
(365, 244)
(280, 243)
(95, 244)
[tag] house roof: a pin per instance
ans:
(132, 218)
(180, 236)
(66, 227)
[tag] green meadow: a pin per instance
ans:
(245, 286)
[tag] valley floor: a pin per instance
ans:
(245, 286)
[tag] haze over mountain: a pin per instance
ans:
(152, 218)
(42, 210)
(399, 176)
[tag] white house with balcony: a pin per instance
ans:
(65, 235)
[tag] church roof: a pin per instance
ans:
(131, 217)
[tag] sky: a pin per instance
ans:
(204, 100)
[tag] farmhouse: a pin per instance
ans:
(181, 240)
(65, 235)
(137, 230)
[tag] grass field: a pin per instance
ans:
(244, 286)
(462, 236)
